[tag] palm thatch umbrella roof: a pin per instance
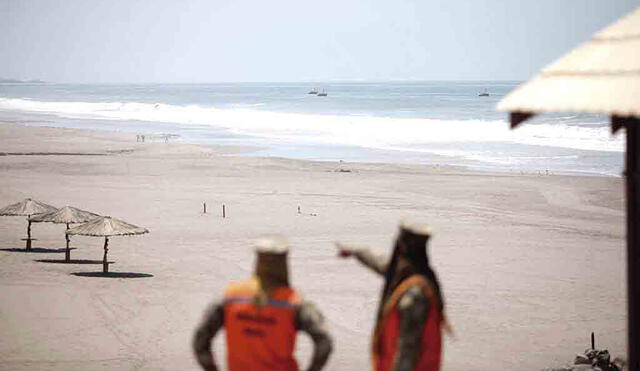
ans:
(65, 215)
(106, 226)
(26, 207)
(601, 76)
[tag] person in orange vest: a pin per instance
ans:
(261, 317)
(407, 335)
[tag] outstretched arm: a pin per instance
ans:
(377, 263)
(212, 322)
(413, 309)
(311, 321)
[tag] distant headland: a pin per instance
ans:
(18, 81)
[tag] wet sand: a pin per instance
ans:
(529, 264)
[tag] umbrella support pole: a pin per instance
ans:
(28, 243)
(632, 173)
(105, 265)
(67, 252)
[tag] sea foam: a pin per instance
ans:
(387, 133)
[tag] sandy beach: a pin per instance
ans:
(529, 264)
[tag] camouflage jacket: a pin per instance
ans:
(412, 307)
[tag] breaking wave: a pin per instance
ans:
(363, 131)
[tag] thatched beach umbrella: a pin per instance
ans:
(66, 215)
(106, 226)
(601, 76)
(27, 208)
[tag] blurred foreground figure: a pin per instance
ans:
(407, 334)
(261, 317)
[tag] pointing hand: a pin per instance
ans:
(344, 251)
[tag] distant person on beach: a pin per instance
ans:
(261, 317)
(407, 335)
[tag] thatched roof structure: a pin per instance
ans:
(65, 215)
(601, 76)
(106, 226)
(26, 207)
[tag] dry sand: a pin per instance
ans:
(530, 264)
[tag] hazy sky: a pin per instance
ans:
(292, 40)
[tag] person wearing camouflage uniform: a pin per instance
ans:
(407, 334)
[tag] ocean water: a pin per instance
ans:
(437, 123)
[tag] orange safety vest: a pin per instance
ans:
(386, 336)
(260, 337)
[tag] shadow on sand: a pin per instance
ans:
(71, 261)
(112, 274)
(37, 250)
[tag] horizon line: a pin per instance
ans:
(41, 81)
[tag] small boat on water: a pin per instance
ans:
(313, 91)
(484, 93)
(323, 94)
